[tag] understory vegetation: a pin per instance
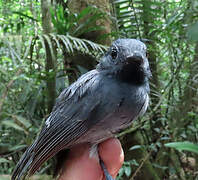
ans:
(46, 45)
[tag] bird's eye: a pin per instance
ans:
(114, 53)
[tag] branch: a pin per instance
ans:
(10, 83)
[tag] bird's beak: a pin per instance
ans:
(136, 58)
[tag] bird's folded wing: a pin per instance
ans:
(68, 121)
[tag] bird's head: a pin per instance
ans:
(126, 59)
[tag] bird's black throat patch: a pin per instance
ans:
(132, 72)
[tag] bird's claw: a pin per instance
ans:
(106, 173)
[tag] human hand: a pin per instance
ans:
(79, 166)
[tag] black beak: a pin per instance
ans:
(135, 59)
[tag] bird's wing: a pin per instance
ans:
(68, 121)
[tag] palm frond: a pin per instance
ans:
(71, 43)
(132, 16)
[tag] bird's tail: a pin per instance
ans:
(22, 167)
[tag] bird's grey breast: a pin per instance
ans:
(127, 102)
(120, 104)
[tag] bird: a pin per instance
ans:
(101, 103)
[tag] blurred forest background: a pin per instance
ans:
(45, 45)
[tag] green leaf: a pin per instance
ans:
(120, 1)
(127, 170)
(192, 32)
(164, 138)
(82, 28)
(172, 18)
(69, 43)
(3, 160)
(24, 15)
(42, 41)
(12, 124)
(4, 177)
(132, 162)
(22, 121)
(48, 40)
(61, 37)
(135, 147)
(187, 146)
(56, 40)
(17, 147)
(159, 166)
(84, 12)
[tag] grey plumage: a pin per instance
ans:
(98, 105)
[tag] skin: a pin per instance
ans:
(80, 166)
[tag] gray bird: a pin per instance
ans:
(95, 107)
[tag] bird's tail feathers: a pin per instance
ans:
(22, 167)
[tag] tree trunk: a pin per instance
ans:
(50, 65)
(103, 5)
(87, 62)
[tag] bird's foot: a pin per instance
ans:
(106, 173)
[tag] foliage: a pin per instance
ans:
(186, 146)
(169, 28)
(23, 104)
(66, 22)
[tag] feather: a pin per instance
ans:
(66, 123)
